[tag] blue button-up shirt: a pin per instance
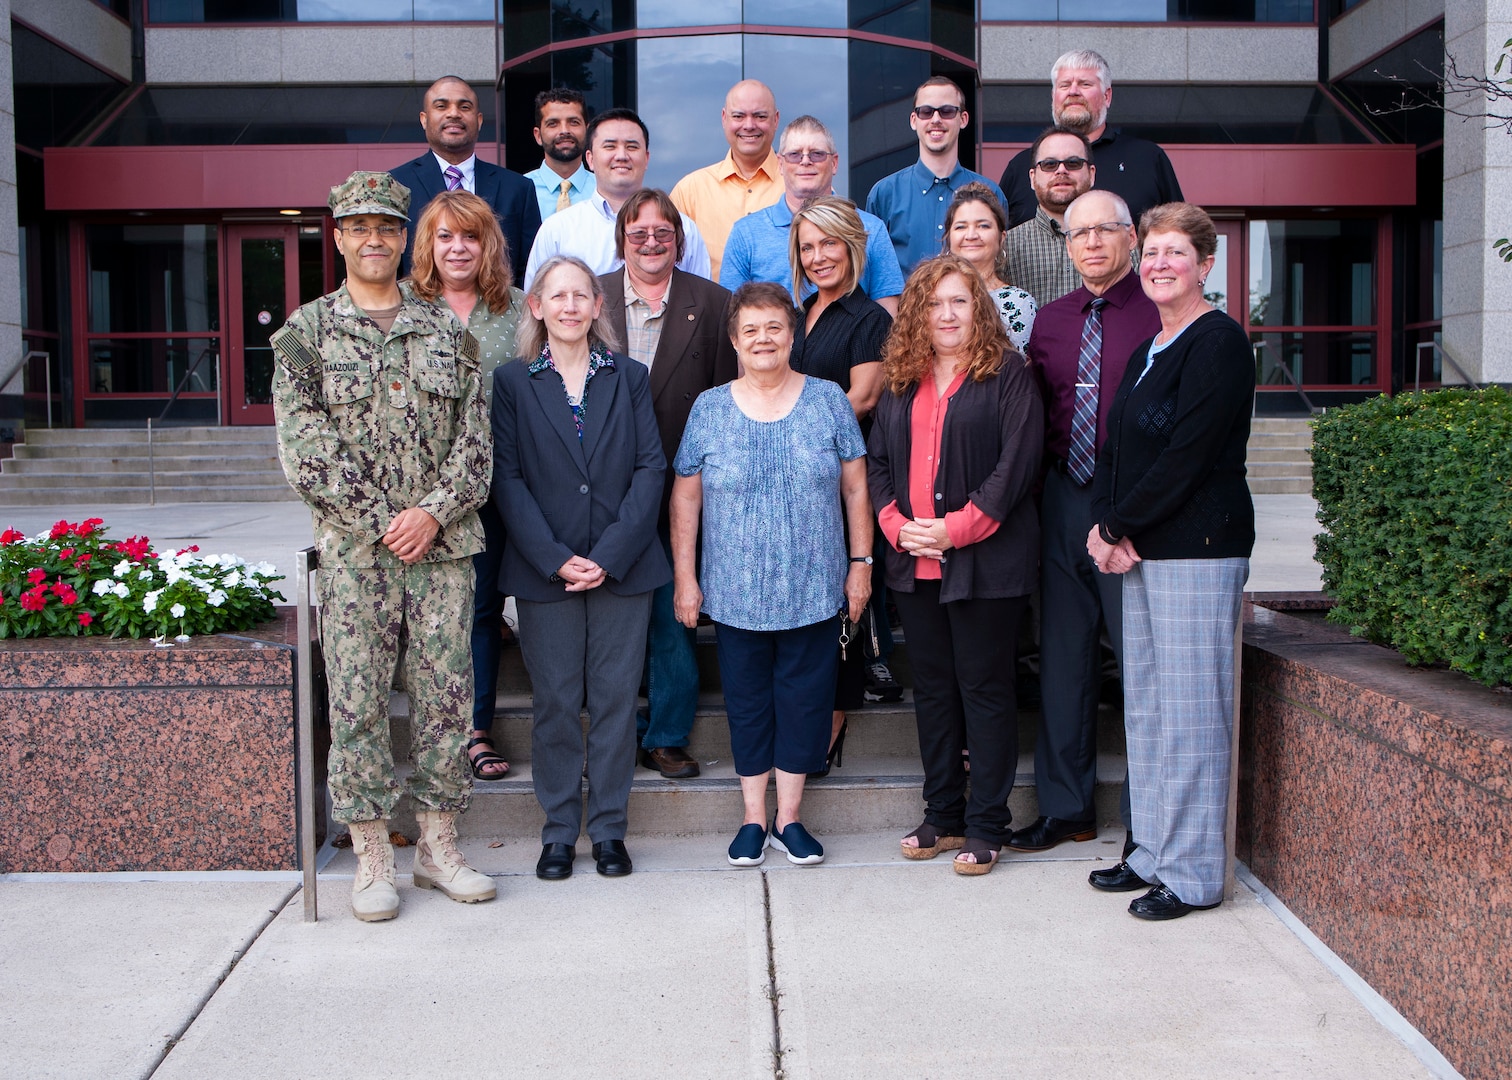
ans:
(757, 250)
(548, 187)
(912, 204)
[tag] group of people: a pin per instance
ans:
(626, 447)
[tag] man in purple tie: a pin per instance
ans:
(451, 120)
(1080, 346)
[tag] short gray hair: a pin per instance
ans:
(1120, 207)
(1083, 58)
(809, 124)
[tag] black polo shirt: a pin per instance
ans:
(1134, 169)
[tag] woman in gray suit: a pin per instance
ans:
(578, 472)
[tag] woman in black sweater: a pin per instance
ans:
(1173, 514)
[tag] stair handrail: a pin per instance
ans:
(1417, 365)
(172, 400)
(1255, 347)
(184, 381)
(9, 369)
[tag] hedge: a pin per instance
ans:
(1416, 494)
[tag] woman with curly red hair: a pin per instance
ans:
(952, 460)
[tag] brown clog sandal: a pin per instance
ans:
(931, 841)
(984, 857)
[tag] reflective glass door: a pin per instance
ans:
(264, 288)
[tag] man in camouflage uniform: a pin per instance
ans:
(384, 432)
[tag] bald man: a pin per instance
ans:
(746, 180)
(451, 119)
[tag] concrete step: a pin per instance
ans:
(1280, 485)
(1292, 455)
(174, 479)
(135, 494)
(160, 435)
(178, 451)
(255, 463)
(1270, 469)
(1290, 441)
(1273, 424)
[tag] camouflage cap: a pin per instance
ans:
(370, 193)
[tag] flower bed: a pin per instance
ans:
(74, 580)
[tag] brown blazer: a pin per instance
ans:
(694, 354)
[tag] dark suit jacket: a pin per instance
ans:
(512, 197)
(562, 496)
(694, 353)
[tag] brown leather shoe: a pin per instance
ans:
(672, 762)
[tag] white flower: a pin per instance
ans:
(232, 580)
(123, 568)
(172, 573)
(121, 590)
(177, 611)
(263, 569)
(216, 598)
(149, 602)
(212, 560)
(145, 575)
(102, 587)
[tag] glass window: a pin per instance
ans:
(152, 365)
(1407, 75)
(656, 13)
(795, 69)
(1154, 11)
(1329, 358)
(683, 112)
(146, 278)
(251, 11)
(1312, 273)
(57, 95)
(795, 12)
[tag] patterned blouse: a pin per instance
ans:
(495, 333)
(598, 357)
(1017, 310)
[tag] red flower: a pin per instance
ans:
(34, 599)
(36, 575)
(11, 536)
(87, 528)
(61, 529)
(85, 618)
(133, 547)
(184, 551)
(65, 592)
(66, 553)
(82, 559)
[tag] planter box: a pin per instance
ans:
(1376, 801)
(120, 755)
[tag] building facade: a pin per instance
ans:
(163, 208)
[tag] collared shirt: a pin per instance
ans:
(1136, 170)
(643, 327)
(912, 204)
(548, 185)
(1128, 319)
(587, 231)
(1036, 260)
(469, 170)
(598, 358)
(717, 196)
(757, 250)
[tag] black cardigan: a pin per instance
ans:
(989, 454)
(1171, 472)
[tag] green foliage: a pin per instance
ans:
(74, 580)
(1416, 494)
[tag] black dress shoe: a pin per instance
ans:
(555, 862)
(1120, 878)
(612, 858)
(673, 762)
(1161, 903)
(1046, 832)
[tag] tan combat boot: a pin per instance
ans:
(374, 897)
(439, 865)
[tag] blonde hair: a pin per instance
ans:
(836, 217)
(532, 333)
(908, 357)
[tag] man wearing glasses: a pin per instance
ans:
(674, 323)
(1034, 253)
(1136, 170)
(1079, 349)
(383, 432)
(912, 202)
(757, 249)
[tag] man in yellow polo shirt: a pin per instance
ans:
(746, 180)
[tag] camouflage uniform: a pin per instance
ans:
(371, 424)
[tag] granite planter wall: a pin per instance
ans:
(1376, 801)
(122, 755)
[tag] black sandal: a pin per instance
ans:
(485, 759)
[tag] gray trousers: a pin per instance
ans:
(587, 650)
(1076, 602)
(1178, 666)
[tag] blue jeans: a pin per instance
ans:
(671, 676)
(488, 608)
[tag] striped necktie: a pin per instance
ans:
(453, 178)
(1083, 459)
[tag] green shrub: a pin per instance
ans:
(1416, 494)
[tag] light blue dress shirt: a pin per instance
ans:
(912, 204)
(548, 187)
(757, 250)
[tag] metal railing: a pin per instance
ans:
(8, 372)
(1285, 369)
(1417, 365)
(305, 561)
(208, 350)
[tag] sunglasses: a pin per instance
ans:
(947, 112)
(664, 235)
(1050, 164)
(795, 157)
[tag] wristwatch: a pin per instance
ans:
(867, 559)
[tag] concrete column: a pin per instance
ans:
(1477, 201)
(10, 245)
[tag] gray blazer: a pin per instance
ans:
(562, 496)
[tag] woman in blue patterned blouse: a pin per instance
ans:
(768, 461)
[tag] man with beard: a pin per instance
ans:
(562, 179)
(1136, 170)
(1034, 253)
(451, 120)
(747, 180)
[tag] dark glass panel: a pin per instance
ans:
(311, 263)
(953, 26)
(882, 83)
(1312, 272)
(1399, 92)
(255, 11)
(57, 95)
(794, 67)
(1184, 114)
(661, 13)
(1344, 358)
(262, 301)
(896, 18)
(152, 278)
(152, 365)
(214, 11)
(119, 7)
(527, 26)
(587, 18)
(1151, 11)
(682, 83)
(829, 13)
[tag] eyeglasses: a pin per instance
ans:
(947, 112)
(1107, 229)
(663, 235)
(816, 157)
(388, 232)
(1050, 164)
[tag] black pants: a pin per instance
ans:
(963, 663)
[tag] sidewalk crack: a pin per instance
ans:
(774, 995)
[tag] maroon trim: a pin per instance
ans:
(1167, 24)
(739, 28)
(1373, 57)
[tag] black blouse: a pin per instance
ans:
(848, 332)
